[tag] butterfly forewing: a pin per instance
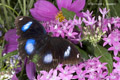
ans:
(32, 36)
(28, 27)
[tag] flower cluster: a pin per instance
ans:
(65, 29)
(73, 30)
(113, 39)
(92, 69)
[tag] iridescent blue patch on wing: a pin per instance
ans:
(29, 46)
(26, 26)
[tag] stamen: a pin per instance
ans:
(60, 16)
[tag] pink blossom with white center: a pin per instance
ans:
(115, 48)
(87, 14)
(108, 40)
(89, 21)
(103, 12)
(70, 33)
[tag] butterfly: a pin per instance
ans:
(46, 51)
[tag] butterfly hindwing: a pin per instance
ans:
(58, 50)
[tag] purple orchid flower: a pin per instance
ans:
(45, 11)
(11, 38)
(30, 71)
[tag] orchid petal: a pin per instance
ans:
(30, 70)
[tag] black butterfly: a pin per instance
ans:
(47, 52)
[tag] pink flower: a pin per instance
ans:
(108, 40)
(46, 75)
(87, 14)
(46, 11)
(67, 70)
(103, 12)
(70, 33)
(54, 76)
(117, 67)
(115, 21)
(89, 21)
(117, 58)
(59, 32)
(65, 77)
(80, 74)
(114, 76)
(115, 48)
(65, 29)
(91, 69)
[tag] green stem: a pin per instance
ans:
(30, 5)
(20, 78)
(107, 5)
(24, 6)
(1, 20)
(1, 49)
(8, 2)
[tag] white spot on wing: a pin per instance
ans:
(48, 58)
(78, 55)
(67, 52)
(21, 18)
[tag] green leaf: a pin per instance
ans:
(68, 14)
(9, 55)
(83, 54)
(105, 56)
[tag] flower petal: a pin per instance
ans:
(77, 5)
(9, 48)
(14, 77)
(11, 36)
(30, 70)
(44, 11)
(64, 3)
(37, 16)
(80, 14)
